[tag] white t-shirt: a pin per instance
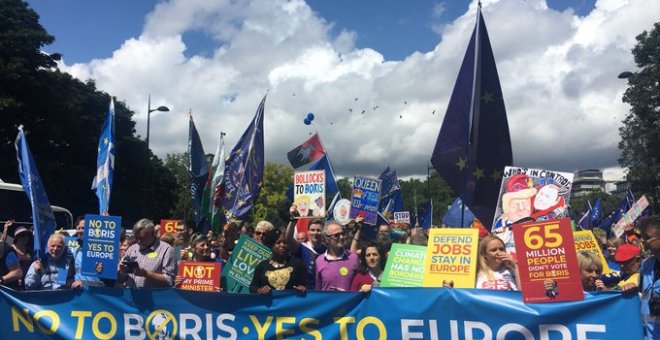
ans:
(502, 279)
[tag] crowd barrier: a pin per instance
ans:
(387, 313)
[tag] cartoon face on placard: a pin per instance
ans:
(532, 195)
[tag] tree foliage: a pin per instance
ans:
(640, 134)
(63, 118)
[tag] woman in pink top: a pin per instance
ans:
(372, 262)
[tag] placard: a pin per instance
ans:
(585, 240)
(532, 195)
(168, 226)
(627, 220)
(451, 255)
(200, 276)
(546, 251)
(100, 255)
(71, 242)
(240, 268)
(365, 199)
(405, 266)
(309, 193)
(402, 217)
(342, 211)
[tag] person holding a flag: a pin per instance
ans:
(56, 271)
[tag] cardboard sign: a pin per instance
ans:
(365, 199)
(532, 194)
(200, 276)
(451, 255)
(405, 266)
(168, 226)
(240, 268)
(309, 193)
(402, 217)
(585, 240)
(546, 251)
(100, 255)
(626, 221)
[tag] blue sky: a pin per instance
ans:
(89, 29)
(557, 62)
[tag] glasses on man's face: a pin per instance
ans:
(258, 233)
(336, 236)
(649, 239)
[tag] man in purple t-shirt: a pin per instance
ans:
(335, 269)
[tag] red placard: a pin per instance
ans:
(200, 276)
(546, 251)
(168, 226)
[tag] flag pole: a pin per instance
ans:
(472, 99)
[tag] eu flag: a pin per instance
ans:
(458, 216)
(473, 145)
(425, 217)
(42, 215)
(244, 169)
(389, 183)
(105, 161)
(198, 169)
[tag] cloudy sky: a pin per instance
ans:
(376, 74)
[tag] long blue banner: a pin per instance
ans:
(392, 313)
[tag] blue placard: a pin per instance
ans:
(101, 246)
(365, 198)
(71, 242)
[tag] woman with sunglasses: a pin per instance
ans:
(199, 250)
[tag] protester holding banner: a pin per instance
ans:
(590, 271)
(260, 229)
(149, 263)
(199, 250)
(56, 271)
(10, 266)
(124, 244)
(628, 256)
(372, 262)
(649, 282)
(307, 251)
(78, 255)
(282, 271)
(496, 269)
(337, 267)
(21, 246)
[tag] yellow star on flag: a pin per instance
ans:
(240, 202)
(487, 97)
(461, 163)
(497, 175)
(105, 141)
(479, 173)
(229, 195)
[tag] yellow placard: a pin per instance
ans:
(451, 255)
(586, 241)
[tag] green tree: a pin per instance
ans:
(640, 134)
(63, 118)
(272, 204)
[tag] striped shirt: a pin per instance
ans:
(158, 258)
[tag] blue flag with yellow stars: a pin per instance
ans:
(473, 145)
(244, 169)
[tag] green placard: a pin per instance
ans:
(405, 266)
(240, 268)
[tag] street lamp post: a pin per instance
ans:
(149, 111)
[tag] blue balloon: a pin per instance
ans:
(310, 116)
(307, 122)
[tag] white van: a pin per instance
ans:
(14, 204)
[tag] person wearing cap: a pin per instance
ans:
(10, 267)
(282, 271)
(22, 238)
(628, 256)
(516, 200)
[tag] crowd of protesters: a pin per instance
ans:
(327, 256)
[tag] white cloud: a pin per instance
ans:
(558, 74)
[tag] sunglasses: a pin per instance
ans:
(337, 236)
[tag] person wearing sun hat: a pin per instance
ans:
(516, 200)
